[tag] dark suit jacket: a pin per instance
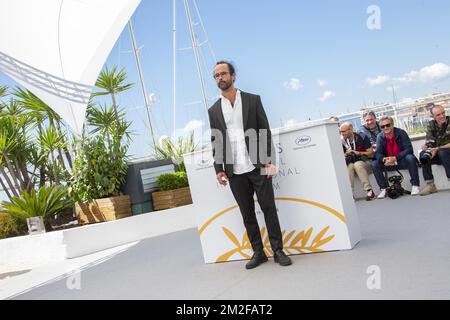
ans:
(403, 142)
(258, 136)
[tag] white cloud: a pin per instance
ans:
(321, 83)
(382, 79)
(327, 95)
(435, 72)
(193, 125)
(293, 84)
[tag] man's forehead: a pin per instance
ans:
(437, 110)
(221, 66)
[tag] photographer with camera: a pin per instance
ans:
(437, 147)
(394, 152)
(357, 152)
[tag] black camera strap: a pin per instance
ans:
(387, 177)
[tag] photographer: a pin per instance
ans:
(357, 152)
(437, 147)
(370, 129)
(394, 152)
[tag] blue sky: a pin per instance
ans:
(282, 49)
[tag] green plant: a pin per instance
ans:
(172, 181)
(112, 82)
(45, 202)
(175, 151)
(12, 226)
(99, 169)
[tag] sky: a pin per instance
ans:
(307, 59)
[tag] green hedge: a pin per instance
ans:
(172, 181)
(12, 226)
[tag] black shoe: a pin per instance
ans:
(370, 195)
(256, 260)
(281, 258)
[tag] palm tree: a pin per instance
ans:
(112, 82)
(3, 91)
(13, 148)
(40, 111)
(101, 118)
(176, 150)
(50, 141)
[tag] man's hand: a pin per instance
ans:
(389, 161)
(222, 178)
(271, 170)
(434, 152)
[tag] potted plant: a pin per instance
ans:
(174, 192)
(36, 207)
(100, 164)
(99, 171)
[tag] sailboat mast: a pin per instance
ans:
(141, 78)
(174, 63)
(196, 54)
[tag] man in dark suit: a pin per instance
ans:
(244, 155)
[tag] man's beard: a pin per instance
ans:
(223, 85)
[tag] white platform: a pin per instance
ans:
(28, 252)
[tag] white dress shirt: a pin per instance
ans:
(235, 128)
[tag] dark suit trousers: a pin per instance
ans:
(243, 187)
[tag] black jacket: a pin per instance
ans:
(258, 136)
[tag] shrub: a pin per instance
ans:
(47, 201)
(99, 170)
(12, 226)
(172, 181)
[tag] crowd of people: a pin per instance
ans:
(378, 147)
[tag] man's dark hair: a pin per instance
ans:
(229, 64)
(369, 113)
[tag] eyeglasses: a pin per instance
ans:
(385, 126)
(217, 75)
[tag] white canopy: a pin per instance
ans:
(56, 48)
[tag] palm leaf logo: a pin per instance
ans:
(293, 243)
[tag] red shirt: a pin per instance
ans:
(392, 147)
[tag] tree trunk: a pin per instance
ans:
(25, 174)
(42, 170)
(20, 174)
(5, 188)
(54, 167)
(12, 172)
(66, 150)
(8, 181)
(117, 115)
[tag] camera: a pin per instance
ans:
(425, 156)
(351, 158)
(395, 189)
